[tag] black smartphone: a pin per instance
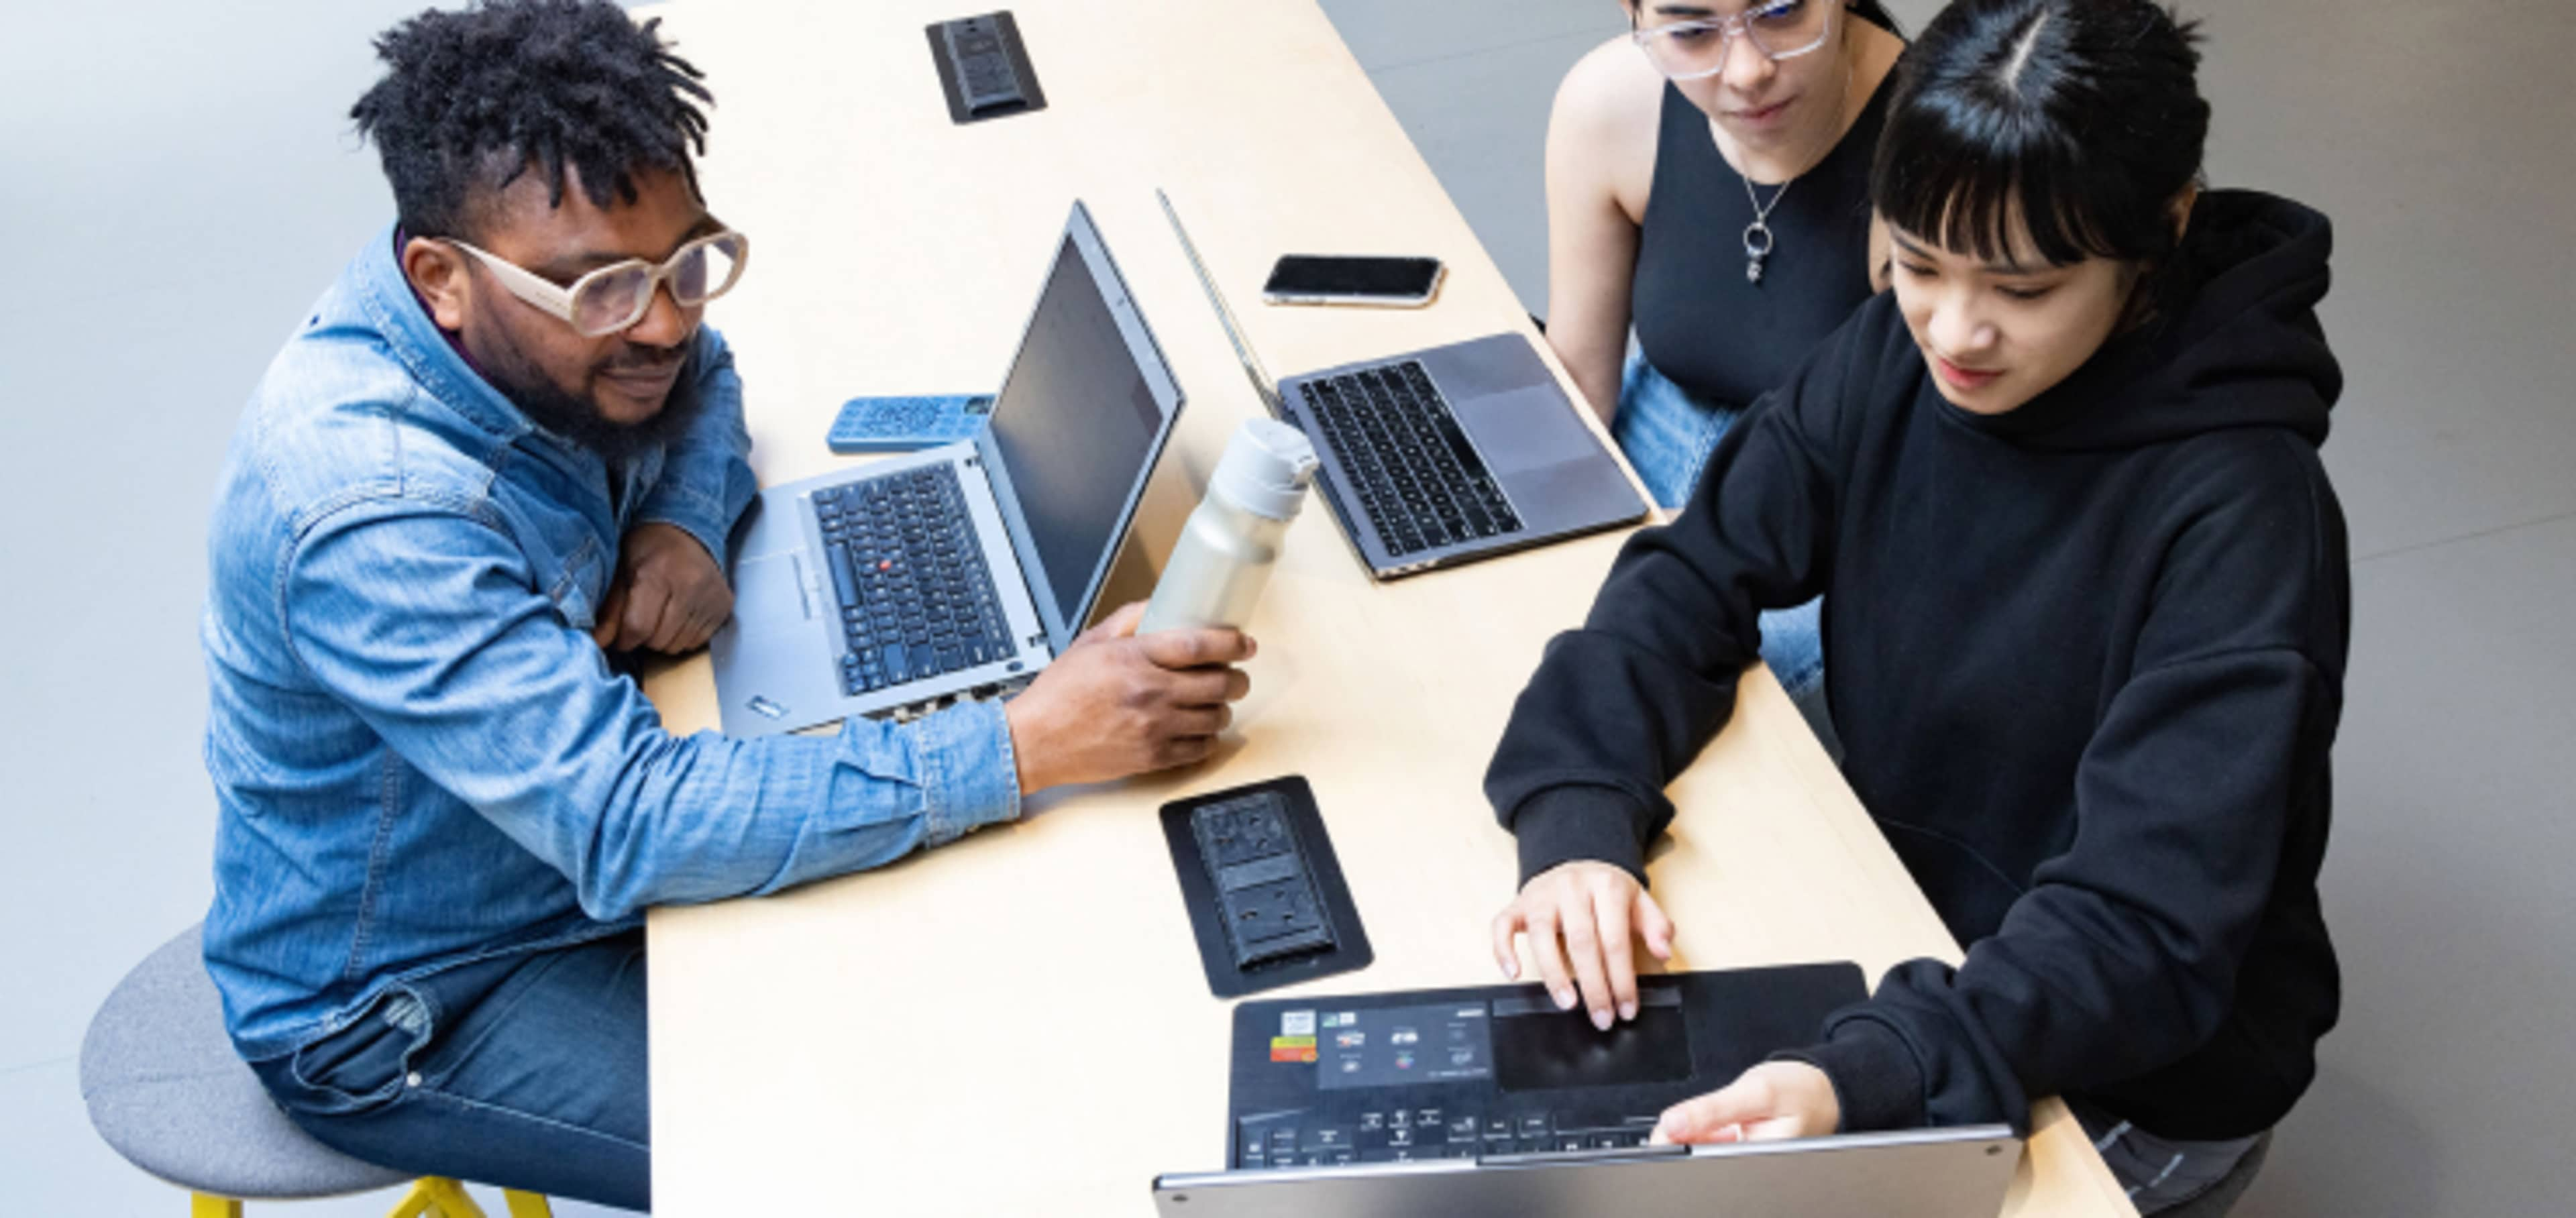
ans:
(1404, 283)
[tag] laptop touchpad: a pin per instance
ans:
(773, 589)
(1527, 429)
(773, 656)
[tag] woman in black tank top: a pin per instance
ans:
(1708, 180)
(1702, 321)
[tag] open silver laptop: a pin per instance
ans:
(1437, 457)
(1488, 1101)
(1933, 1173)
(963, 569)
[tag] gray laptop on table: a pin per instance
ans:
(960, 570)
(1442, 456)
(1489, 1102)
(1932, 1173)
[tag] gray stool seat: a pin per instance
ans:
(165, 1088)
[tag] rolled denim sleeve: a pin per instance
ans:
(706, 480)
(425, 621)
(968, 775)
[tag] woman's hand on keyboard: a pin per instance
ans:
(1770, 1102)
(1581, 918)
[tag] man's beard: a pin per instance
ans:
(579, 420)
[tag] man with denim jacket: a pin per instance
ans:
(500, 448)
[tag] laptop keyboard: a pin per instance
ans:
(916, 597)
(1400, 1135)
(1410, 464)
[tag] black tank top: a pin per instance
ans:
(1723, 339)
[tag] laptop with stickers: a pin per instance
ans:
(1490, 1101)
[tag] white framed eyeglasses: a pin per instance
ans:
(616, 296)
(1780, 29)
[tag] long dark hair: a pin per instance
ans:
(2079, 121)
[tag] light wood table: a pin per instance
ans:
(1017, 1024)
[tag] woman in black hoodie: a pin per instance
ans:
(2085, 634)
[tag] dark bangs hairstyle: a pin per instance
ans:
(474, 98)
(2078, 120)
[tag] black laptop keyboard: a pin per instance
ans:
(1411, 466)
(1398, 1135)
(916, 598)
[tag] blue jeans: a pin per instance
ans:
(525, 1071)
(1667, 435)
(2168, 1178)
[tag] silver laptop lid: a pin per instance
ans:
(1261, 382)
(1933, 1173)
(1080, 420)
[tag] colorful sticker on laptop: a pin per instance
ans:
(1292, 1048)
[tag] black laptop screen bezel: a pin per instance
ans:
(1061, 622)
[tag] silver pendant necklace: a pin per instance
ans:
(1758, 240)
(1757, 235)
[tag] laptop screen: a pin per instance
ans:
(1075, 430)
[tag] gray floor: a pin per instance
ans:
(179, 182)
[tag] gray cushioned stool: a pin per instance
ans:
(166, 1090)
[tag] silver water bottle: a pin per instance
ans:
(1226, 551)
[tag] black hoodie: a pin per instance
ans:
(2086, 659)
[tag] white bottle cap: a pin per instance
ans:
(1265, 469)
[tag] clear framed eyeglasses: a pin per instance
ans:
(1780, 29)
(616, 296)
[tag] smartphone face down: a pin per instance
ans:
(1339, 279)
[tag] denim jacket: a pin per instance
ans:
(420, 756)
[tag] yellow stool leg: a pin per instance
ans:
(201, 1205)
(527, 1205)
(436, 1197)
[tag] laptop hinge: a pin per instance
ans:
(1035, 644)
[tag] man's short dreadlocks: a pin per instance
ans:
(474, 98)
